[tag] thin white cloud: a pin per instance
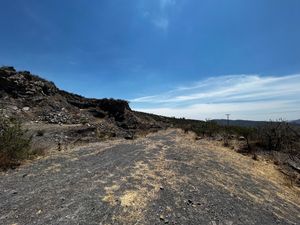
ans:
(249, 111)
(161, 23)
(229, 87)
(159, 14)
(166, 3)
(246, 96)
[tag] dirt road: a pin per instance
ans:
(164, 178)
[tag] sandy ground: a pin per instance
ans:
(164, 178)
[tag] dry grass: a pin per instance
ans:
(276, 189)
(149, 177)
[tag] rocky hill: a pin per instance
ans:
(39, 103)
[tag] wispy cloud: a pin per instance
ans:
(158, 12)
(161, 23)
(166, 3)
(245, 96)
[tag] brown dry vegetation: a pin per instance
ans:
(275, 141)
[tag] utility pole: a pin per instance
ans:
(227, 119)
(226, 136)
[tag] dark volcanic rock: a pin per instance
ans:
(32, 98)
(29, 90)
(23, 84)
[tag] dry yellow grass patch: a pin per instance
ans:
(244, 168)
(135, 200)
(132, 198)
(148, 177)
(53, 168)
(110, 196)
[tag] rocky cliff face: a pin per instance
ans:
(24, 85)
(32, 97)
(64, 117)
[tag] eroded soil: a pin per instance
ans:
(164, 178)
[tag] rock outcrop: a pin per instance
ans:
(32, 98)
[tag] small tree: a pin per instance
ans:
(279, 136)
(248, 133)
(211, 127)
(14, 145)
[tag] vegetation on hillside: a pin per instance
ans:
(272, 136)
(278, 141)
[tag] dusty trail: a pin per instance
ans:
(164, 178)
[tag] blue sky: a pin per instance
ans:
(187, 58)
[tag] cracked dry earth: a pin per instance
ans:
(164, 178)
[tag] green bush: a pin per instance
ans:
(84, 120)
(14, 145)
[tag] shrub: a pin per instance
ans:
(249, 133)
(211, 127)
(279, 136)
(14, 145)
(83, 120)
(40, 133)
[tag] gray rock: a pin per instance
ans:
(25, 109)
(14, 107)
(242, 138)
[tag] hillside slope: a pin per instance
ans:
(31, 97)
(42, 107)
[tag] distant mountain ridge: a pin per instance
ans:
(242, 123)
(247, 123)
(296, 122)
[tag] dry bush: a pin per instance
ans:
(279, 136)
(249, 134)
(37, 149)
(40, 133)
(14, 145)
(207, 128)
